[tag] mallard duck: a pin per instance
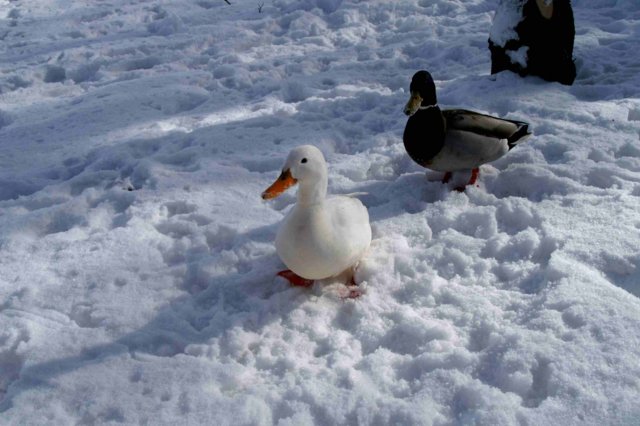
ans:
(321, 237)
(455, 139)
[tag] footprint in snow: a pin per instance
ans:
(174, 208)
(11, 359)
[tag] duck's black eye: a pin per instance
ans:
(304, 160)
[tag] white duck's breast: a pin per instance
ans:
(325, 239)
(465, 150)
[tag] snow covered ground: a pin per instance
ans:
(136, 255)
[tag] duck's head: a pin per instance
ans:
(306, 165)
(423, 92)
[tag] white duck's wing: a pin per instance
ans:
(350, 225)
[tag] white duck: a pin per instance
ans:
(320, 237)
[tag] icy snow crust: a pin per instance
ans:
(512, 303)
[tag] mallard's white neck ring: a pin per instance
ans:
(423, 107)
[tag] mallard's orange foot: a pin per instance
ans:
(474, 176)
(294, 279)
(447, 177)
(472, 180)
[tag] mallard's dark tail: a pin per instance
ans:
(520, 135)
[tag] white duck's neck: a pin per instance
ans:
(312, 192)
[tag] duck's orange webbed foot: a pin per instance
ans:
(474, 177)
(353, 291)
(447, 177)
(294, 279)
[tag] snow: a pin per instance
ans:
(506, 18)
(137, 267)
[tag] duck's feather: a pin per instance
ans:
(350, 222)
(481, 124)
(472, 139)
(464, 150)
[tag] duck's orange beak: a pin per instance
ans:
(284, 181)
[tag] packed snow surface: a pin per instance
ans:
(137, 259)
